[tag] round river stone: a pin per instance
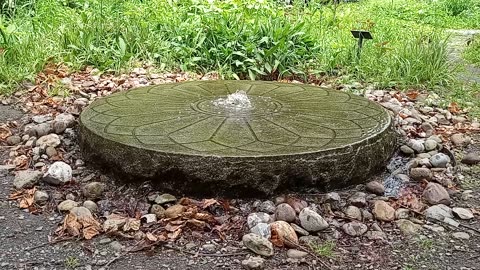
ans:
(197, 138)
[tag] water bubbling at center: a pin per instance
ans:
(238, 101)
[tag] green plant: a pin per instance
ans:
(71, 262)
(326, 249)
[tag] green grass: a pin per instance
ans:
(240, 39)
(326, 249)
(472, 53)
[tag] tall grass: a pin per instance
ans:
(242, 39)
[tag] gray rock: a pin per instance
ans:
(116, 246)
(402, 213)
(40, 130)
(14, 140)
(62, 122)
(39, 119)
(428, 128)
(353, 212)
(430, 145)
(59, 173)
(309, 240)
(299, 230)
(359, 199)
(149, 218)
(296, 254)
(366, 215)
(407, 227)
(312, 221)
(354, 228)
(258, 217)
(416, 145)
(461, 235)
(471, 158)
(52, 140)
(258, 244)
(440, 160)
(26, 179)
(462, 213)
(51, 151)
(375, 235)
(262, 229)
(253, 263)
(158, 210)
(5, 169)
(267, 207)
(375, 187)
(40, 197)
(285, 212)
(460, 139)
(439, 212)
(335, 201)
(93, 190)
(406, 150)
(81, 212)
(90, 205)
(165, 198)
(436, 194)
(66, 205)
(383, 211)
(419, 174)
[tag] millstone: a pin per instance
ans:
(187, 138)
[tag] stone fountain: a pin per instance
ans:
(237, 138)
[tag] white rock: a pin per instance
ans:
(81, 212)
(90, 205)
(296, 254)
(258, 217)
(26, 179)
(66, 205)
(59, 173)
(258, 244)
(440, 160)
(253, 263)
(262, 229)
(461, 235)
(52, 140)
(149, 218)
(354, 228)
(40, 197)
(462, 213)
(439, 212)
(311, 220)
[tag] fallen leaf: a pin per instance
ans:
(413, 94)
(208, 202)
(151, 237)
(174, 235)
(453, 108)
(131, 225)
(5, 132)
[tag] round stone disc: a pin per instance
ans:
(198, 133)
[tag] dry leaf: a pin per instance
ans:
(114, 222)
(131, 225)
(172, 228)
(208, 202)
(4, 132)
(151, 237)
(413, 94)
(21, 162)
(453, 108)
(90, 232)
(174, 235)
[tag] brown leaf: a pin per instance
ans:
(71, 225)
(412, 94)
(90, 232)
(174, 235)
(453, 108)
(151, 237)
(208, 202)
(5, 132)
(131, 225)
(21, 162)
(172, 228)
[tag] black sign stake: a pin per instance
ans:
(361, 35)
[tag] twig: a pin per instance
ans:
(470, 228)
(311, 254)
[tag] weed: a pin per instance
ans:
(71, 262)
(326, 249)
(425, 243)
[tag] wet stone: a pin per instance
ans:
(216, 139)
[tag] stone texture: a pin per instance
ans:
(419, 174)
(439, 160)
(26, 179)
(262, 229)
(267, 207)
(214, 149)
(462, 213)
(471, 158)
(439, 212)
(375, 187)
(174, 211)
(62, 122)
(51, 140)
(359, 199)
(258, 244)
(253, 263)
(93, 190)
(436, 194)
(285, 212)
(353, 212)
(165, 198)
(258, 217)
(158, 210)
(40, 197)
(296, 254)
(81, 212)
(284, 233)
(461, 235)
(66, 205)
(58, 173)
(354, 228)
(312, 221)
(407, 227)
(383, 211)
(90, 205)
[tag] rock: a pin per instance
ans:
(66, 205)
(440, 160)
(59, 173)
(174, 211)
(285, 212)
(402, 213)
(355, 228)
(419, 174)
(353, 212)
(62, 122)
(334, 199)
(81, 212)
(258, 217)
(406, 150)
(283, 234)
(428, 128)
(70, 196)
(416, 145)
(40, 130)
(366, 215)
(297, 204)
(51, 151)
(267, 207)
(436, 194)
(359, 199)
(5, 169)
(375, 187)
(26, 179)
(262, 229)
(258, 244)
(407, 227)
(90, 205)
(296, 254)
(299, 230)
(462, 213)
(383, 211)
(116, 246)
(309, 240)
(375, 235)
(52, 140)
(253, 263)
(459, 139)
(439, 212)
(471, 158)
(93, 190)
(40, 197)
(14, 140)
(148, 218)
(461, 235)
(158, 210)
(312, 221)
(434, 228)
(165, 198)
(430, 145)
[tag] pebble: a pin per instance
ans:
(259, 245)
(375, 187)
(439, 212)
(52, 140)
(419, 174)
(62, 122)
(407, 227)
(58, 173)
(359, 199)
(462, 213)
(158, 210)
(165, 198)
(354, 228)
(459, 139)
(299, 230)
(461, 235)
(26, 179)
(81, 212)
(285, 212)
(174, 211)
(262, 229)
(375, 235)
(309, 240)
(253, 263)
(471, 158)
(416, 145)
(353, 212)
(116, 246)
(66, 205)
(402, 213)
(93, 190)
(436, 194)
(267, 207)
(311, 220)
(90, 205)
(407, 150)
(40, 197)
(14, 140)
(383, 211)
(296, 254)
(283, 232)
(51, 151)
(440, 160)
(258, 217)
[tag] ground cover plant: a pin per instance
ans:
(248, 39)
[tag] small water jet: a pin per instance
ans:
(238, 138)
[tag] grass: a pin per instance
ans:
(239, 39)
(472, 53)
(326, 249)
(71, 262)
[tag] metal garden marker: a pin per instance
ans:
(361, 34)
